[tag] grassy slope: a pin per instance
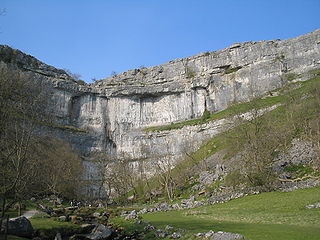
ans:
(230, 111)
(219, 142)
(48, 223)
(275, 215)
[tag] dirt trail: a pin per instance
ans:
(29, 214)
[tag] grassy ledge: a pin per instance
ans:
(265, 101)
(230, 111)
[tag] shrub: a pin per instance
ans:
(229, 70)
(190, 72)
(206, 115)
(291, 76)
(81, 82)
(234, 178)
(299, 170)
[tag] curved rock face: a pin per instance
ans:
(114, 111)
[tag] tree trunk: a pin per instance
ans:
(6, 229)
(19, 209)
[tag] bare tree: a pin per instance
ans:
(23, 106)
(165, 177)
(75, 76)
(254, 142)
(57, 168)
(116, 175)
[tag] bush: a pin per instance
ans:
(291, 76)
(299, 170)
(229, 70)
(233, 179)
(81, 82)
(190, 72)
(206, 115)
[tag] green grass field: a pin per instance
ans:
(267, 216)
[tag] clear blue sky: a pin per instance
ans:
(95, 37)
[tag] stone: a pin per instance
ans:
(226, 236)
(163, 206)
(175, 206)
(132, 215)
(316, 205)
(206, 178)
(209, 234)
(59, 201)
(62, 218)
(149, 227)
(168, 228)
(142, 211)
(161, 234)
(96, 214)
(20, 226)
(58, 236)
(100, 232)
(198, 235)
(46, 209)
(175, 235)
(73, 218)
(105, 214)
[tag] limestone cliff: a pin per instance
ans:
(114, 111)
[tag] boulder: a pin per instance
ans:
(73, 219)
(96, 214)
(198, 235)
(62, 218)
(46, 209)
(132, 215)
(100, 232)
(175, 235)
(226, 236)
(219, 235)
(19, 226)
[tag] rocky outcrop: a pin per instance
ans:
(109, 115)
